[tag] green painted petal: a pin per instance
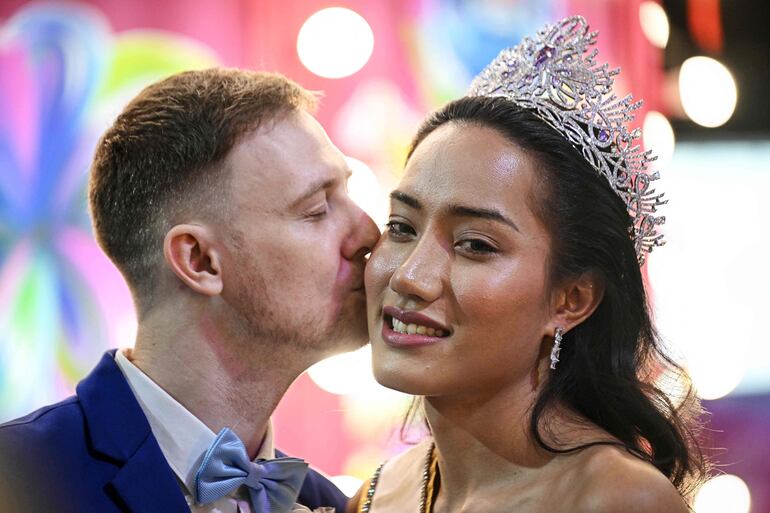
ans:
(143, 56)
(29, 327)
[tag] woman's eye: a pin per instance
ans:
(477, 246)
(399, 230)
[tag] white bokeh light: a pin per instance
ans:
(344, 373)
(349, 485)
(715, 373)
(335, 42)
(722, 494)
(367, 406)
(654, 23)
(364, 188)
(126, 328)
(709, 283)
(658, 136)
(707, 91)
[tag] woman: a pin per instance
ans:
(507, 292)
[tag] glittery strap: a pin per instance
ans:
(365, 501)
(431, 485)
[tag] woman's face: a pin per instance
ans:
(457, 292)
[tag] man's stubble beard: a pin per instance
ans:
(261, 317)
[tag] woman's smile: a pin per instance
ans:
(404, 328)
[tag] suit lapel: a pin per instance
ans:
(145, 484)
(118, 429)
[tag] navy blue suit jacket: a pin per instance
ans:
(95, 452)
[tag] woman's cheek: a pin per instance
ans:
(381, 266)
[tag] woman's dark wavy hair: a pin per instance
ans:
(608, 363)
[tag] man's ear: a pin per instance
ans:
(577, 299)
(193, 257)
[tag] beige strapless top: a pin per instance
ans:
(399, 486)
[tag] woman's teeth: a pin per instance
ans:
(415, 329)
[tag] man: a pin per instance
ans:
(224, 205)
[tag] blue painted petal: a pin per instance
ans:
(68, 56)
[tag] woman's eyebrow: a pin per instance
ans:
(482, 213)
(406, 199)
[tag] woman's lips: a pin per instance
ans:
(412, 317)
(402, 328)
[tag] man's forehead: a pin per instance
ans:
(287, 160)
(295, 130)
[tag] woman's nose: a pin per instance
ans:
(420, 276)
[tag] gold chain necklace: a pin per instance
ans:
(428, 480)
(426, 487)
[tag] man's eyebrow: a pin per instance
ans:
(483, 213)
(317, 186)
(406, 199)
(313, 189)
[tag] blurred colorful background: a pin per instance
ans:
(67, 68)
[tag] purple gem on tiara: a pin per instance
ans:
(604, 135)
(543, 55)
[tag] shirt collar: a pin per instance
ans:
(182, 437)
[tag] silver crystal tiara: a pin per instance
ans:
(555, 76)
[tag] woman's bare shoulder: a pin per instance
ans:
(608, 479)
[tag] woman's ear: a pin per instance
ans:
(192, 255)
(577, 299)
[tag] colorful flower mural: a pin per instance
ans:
(63, 76)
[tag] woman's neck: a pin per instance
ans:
(483, 444)
(486, 449)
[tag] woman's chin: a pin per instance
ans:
(398, 379)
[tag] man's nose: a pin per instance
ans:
(364, 234)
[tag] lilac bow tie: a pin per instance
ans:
(273, 484)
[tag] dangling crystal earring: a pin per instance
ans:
(557, 334)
